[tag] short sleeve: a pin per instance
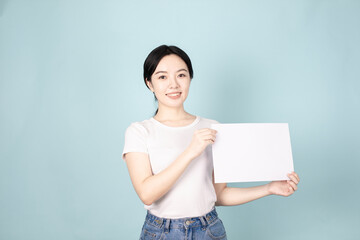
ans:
(214, 121)
(135, 139)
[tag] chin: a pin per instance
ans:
(173, 105)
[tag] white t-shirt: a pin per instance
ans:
(193, 194)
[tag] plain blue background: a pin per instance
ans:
(71, 83)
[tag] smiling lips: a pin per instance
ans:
(174, 95)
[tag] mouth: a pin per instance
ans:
(173, 95)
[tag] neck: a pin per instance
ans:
(171, 114)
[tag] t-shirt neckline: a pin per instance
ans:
(197, 119)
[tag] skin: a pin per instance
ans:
(172, 75)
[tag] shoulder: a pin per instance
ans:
(208, 120)
(139, 127)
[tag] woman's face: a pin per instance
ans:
(170, 81)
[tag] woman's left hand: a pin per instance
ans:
(285, 187)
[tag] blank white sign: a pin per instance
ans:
(250, 152)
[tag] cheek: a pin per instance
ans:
(185, 87)
(159, 88)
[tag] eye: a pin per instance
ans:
(162, 77)
(182, 75)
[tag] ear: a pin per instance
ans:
(149, 84)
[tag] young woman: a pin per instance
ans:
(170, 161)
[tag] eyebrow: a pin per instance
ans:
(183, 69)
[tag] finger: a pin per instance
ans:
(212, 136)
(291, 191)
(206, 129)
(207, 135)
(297, 176)
(209, 141)
(293, 185)
(202, 130)
(293, 178)
(203, 133)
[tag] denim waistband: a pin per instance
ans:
(169, 223)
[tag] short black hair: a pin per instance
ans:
(157, 54)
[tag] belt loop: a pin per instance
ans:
(207, 217)
(215, 212)
(203, 222)
(167, 225)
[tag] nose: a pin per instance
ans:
(173, 83)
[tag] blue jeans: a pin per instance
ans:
(208, 226)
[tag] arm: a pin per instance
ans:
(151, 187)
(235, 196)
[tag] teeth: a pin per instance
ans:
(174, 94)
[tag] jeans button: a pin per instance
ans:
(187, 222)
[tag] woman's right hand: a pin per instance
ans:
(201, 139)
